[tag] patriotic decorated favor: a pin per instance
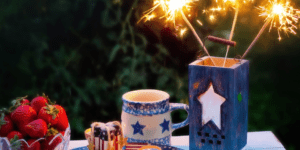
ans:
(105, 136)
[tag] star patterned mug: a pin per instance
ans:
(146, 116)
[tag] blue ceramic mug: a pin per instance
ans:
(146, 116)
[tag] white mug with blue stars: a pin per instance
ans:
(146, 116)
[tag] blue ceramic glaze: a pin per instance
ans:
(162, 141)
(145, 109)
(146, 116)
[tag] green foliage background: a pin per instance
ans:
(85, 54)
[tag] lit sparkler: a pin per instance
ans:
(171, 9)
(279, 15)
(283, 17)
(224, 5)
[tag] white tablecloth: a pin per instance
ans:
(255, 141)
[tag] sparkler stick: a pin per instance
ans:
(257, 36)
(232, 31)
(196, 35)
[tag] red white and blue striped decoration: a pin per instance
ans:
(101, 139)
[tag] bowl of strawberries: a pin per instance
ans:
(38, 124)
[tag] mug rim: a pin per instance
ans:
(167, 95)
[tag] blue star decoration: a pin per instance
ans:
(165, 125)
(138, 128)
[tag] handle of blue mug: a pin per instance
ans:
(176, 106)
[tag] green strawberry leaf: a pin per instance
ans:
(51, 131)
(16, 103)
(2, 121)
(51, 110)
(14, 143)
(49, 101)
(3, 110)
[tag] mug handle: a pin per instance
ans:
(176, 106)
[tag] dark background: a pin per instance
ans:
(85, 54)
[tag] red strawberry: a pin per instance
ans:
(39, 102)
(13, 138)
(12, 135)
(18, 102)
(21, 128)
(37, 128)
(46, 144)
(63, 121)
(62, 133)
(49, 114)
(23, 115)
(25, 102)
(34, 146)
(50, 135)
(6, 125)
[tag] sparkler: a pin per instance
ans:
(231, 32)
(278, 15)
(169, 7)
(235, 4)
(224, 5)
(172, 8)
(196, 35)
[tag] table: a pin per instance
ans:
(255, 141)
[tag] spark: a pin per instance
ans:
(170, 8)
(279, 15)
(282, 15)
(199, 22)
(149, 17)
(237, 2)
(224, 5)
(182, 32)
(212, 18)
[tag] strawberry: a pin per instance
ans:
(21, 128)
(25, 102)
(50, 135)
(38, 102)
(37, 128)
(23, 115)
(34, 146)
(49, 114)
(12, 135)
(46, 144)
(13, 138)
(6, 125)
(16, 103)
(20, 101)
(62, 133)
(63, 121)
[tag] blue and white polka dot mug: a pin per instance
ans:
(146, 116)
